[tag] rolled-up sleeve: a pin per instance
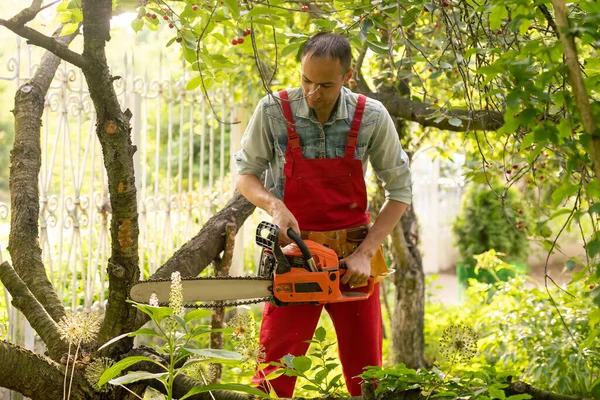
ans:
(257, 144)
(390, 162)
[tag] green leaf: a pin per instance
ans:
(595, 392)
(377, 48)
(593, 247)
(125, 363)
(67, 29)
(275, 374)
(325, 24)
(193, 83)
(200, 312)
(135, 376)
(563, 192)
(310, 387)
(594, 209)
(137, 24)
(290, 48)
(445, 394)
(115, 339)
(320, 334)
(523, 396)
(455, 122)
(496, 393)
(146, 331)
(64, 17)
(233, 7)
(594, 317)
(237, 387)
(157, 314)
(301, 363)
(216, 355)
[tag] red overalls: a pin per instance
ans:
(324, 194)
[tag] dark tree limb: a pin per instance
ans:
(49, 43)
(408, 321)
(37, 316)
(35, 376)
(193, 257)
(113, 130)
(24, 249)
(424, 115)
(520, 387)
(578, 85)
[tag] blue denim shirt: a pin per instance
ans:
(265, 140)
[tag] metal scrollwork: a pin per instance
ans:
(3, 211)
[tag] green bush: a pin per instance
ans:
(489, 221)
(551, 343)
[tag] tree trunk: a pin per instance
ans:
(113, 131)
(25, 252)
(408, 321)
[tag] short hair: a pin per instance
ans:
(329, 44)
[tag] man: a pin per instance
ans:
(314, 142)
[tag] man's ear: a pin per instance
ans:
(348, 75)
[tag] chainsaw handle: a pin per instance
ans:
(298, 240)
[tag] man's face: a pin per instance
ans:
(322, 79)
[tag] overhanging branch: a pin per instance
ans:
(49, 43)
(37, 316)
(423, 114)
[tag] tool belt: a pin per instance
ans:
(345, 241)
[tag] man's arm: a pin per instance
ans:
(360, 260)
(253, 189)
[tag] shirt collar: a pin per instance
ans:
(341, 111)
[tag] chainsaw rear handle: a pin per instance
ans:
(303, 248)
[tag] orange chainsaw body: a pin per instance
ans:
(301, 285)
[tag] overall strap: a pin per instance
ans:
(355, 127)
(293, 139)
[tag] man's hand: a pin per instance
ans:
(284, 219)
(359, 268)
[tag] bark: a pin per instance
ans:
(37, 316)
(35, 376)
(408, 321)
(401, 107)
(222, 267)
(576, 79)
(113, 131)
(24, 249)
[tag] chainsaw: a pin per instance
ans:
(303, 272)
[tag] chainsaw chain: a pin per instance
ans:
(214, 304)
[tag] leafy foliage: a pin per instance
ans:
(319, 369)
(490, 219)
(551, 341)
(179, 335)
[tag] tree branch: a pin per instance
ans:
(576, 79)
(201, 250)
(52, 45)
(35, 376)
(113, 130)
(30, 12)
(424, 115)
(25, 167)
(37, 316)
(362, 86)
